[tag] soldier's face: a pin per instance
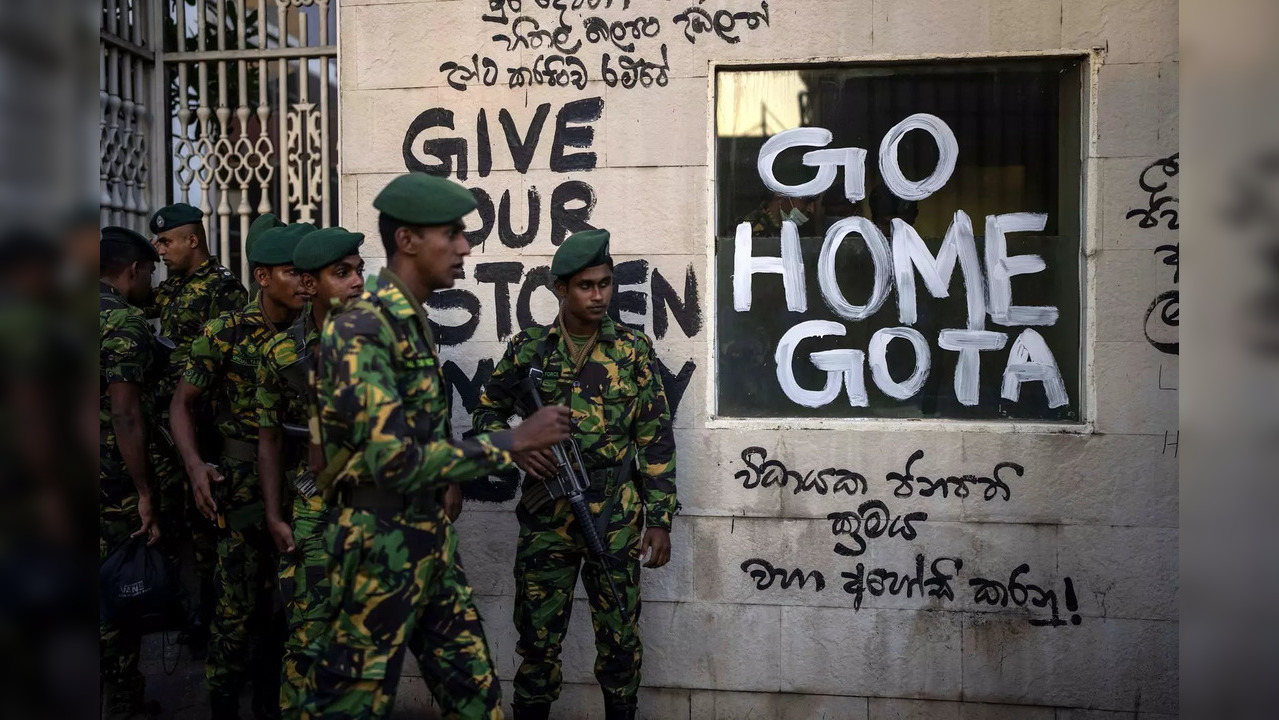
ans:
(442, 250)
(283, 284)
(343, 280)
(140, 283)
(586, 295)
(176, 248)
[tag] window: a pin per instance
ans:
(900, 240)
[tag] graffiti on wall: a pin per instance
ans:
(986, 282)
(579, 41)
(1161, 211)
(535, 220)
(876, 521)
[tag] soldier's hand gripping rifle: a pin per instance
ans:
(573, 481)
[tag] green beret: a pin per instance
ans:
(421, 199)
(175, 215)
(322, 248)
(264, 222)
(276, 246)
(580, 251)
(121, 237)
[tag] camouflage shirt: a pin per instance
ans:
(126, 355)
(279, 398)
(617, 401)
(224, 360)
(185, 303)
(383, 398)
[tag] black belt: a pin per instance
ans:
(240, 450)
(376, 499)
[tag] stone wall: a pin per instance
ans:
(755, 615)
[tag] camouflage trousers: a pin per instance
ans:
(398, 585)
(247, 632)
(181, 522)
(549, 555)
(119, 646)
(304, 585)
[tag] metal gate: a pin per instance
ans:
(249, 113)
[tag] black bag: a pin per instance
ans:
(139, 589)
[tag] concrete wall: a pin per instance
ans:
(1094, 512)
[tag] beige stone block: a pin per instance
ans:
(873, 652)
(1127, 281)
(814, 28)
(918, 27)
(711, 705)
(1079, 714)
(1121, 192)
(400, 45)
(657, 131)
(706, 645)
(1024, 24)
(900, 709)
(1122, 572)
(1169, 107)
(1128, 106)
(873, 454)
(1132, 31)
(655, 211)
(1129, 397)
(374, 123)
(706, 483)
(1104, 664)
(487, 541)
(349, 210)
(727, 551)
(1077, 479)
(987, 711)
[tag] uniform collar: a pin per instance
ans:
(396, 298)
(608, 329)
(108, 288)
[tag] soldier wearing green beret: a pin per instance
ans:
(390, 452)
(332, 273)
(198, 289)
(607, 374)
(223, 365)
(128, 504)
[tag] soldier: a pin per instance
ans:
(128, 506)
(197, 290)
(332, 272)
(384, 417)
(223, 364)
(606, 373)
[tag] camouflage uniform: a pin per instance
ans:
(397, 579)
(127, 355)
(283, 399)
(223, 363)
(183, 305)
(619, 412)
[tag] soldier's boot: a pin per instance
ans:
(541, 711)
(617, 710)
(224, 705)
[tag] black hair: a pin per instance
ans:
(387, 226)
(566, 278)
(117, 255)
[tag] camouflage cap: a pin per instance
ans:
(322, 248)
(120, 237)
(175, 215)
(580, 251)
(421, 199)
(276, 245)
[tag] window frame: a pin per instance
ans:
(1089, 241)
